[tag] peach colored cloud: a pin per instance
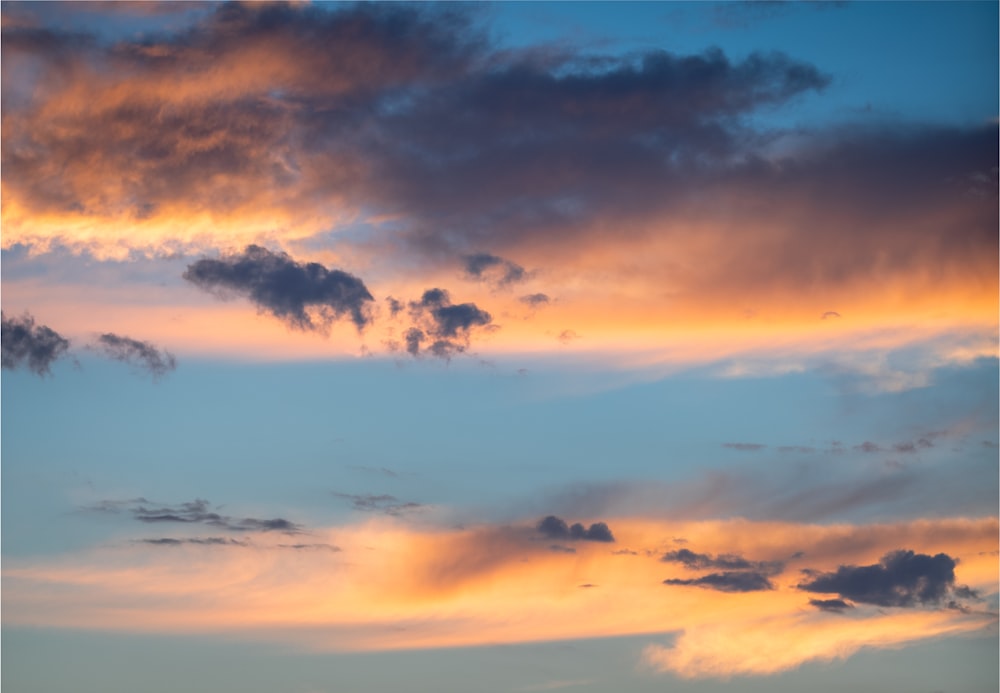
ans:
(394, 586)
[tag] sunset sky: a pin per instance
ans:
(500, 347)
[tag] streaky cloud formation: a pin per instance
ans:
(26, 344)
(726, 562)
(143, 354)
(836, 606)
(196, 512)
(379, 503)
(306, 296)
(748, 581)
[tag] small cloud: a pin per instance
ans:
(493, 268)
(559, 548)
(306, 296)
(381, 503)
(197, 541)
(141, 354)
(446, 326)
(310, 547)
(745, 447)
(728, 582)
(554, 527)
(868, 446)
(24, 343)
(830, 314)
(196, 512)
(535, 300)
(395, 306)
(567, 336)
(727, 562)
(833, 605)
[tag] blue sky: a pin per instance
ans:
(508, 347)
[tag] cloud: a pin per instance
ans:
(135, 352)
(554, 527)
(447, 324)
(835, 605)
(727, 581)
(418, 586)
(381, 503)
(199, 541)
(493, 268)
(567, 336)
(902, 578)
(535, 300)
(727, 562)
(27, 344)
(196, 512)
(306, 296)
(745, 447)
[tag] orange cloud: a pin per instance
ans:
(393, 586)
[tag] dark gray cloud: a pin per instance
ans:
(132, 351)
(381, 503)
(23, 343)
(444, 326)
(832, 605)
(727, 562)
(493, 268)
(553, 527)
(196, 512)
(728, 582)
(902, 578)
(307, 296)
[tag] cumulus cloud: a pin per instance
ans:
(24, 343)
(446, 327)
(306, 296)
(132, 351)
(553, 527)
(902, 578)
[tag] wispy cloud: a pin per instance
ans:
(133, 351)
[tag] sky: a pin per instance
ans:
(499, 347)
